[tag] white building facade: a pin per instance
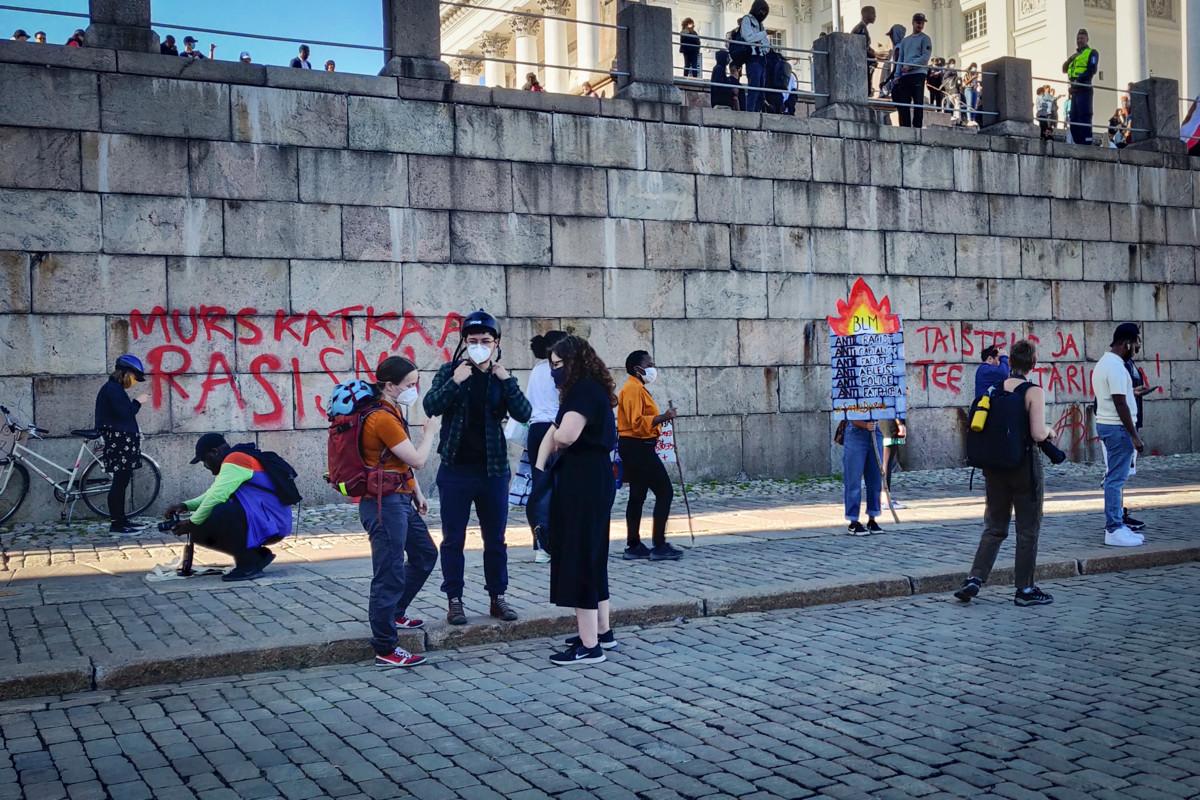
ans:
(1136, 38)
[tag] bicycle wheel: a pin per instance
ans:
(143, 489)
(14, 486)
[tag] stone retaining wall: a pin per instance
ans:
(254, 233)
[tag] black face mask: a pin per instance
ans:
(558, 374)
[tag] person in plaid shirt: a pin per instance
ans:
(473, 396)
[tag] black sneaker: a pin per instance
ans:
(267, 556)
(1130, 522)
(969, 589)
(607, 640)
(578, 654)
(1033, 596)
(856, 528)
(124, 527)
(873, 526)
(636, 552)
(242, 573)
(665, 552)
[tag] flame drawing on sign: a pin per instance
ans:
(862, 313)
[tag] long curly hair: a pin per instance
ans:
(580, 361)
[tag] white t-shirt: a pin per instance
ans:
(542, 394)
(1110, 377)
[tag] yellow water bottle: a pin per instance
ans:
(979, 418)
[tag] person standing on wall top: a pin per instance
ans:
(167, 47)
(77, 39)
(755, 36)
(1081, 69)
(913, 67)
(861, 29)
(116, 418)
(639, 425)
(689, 46)
(992, 370)
(473, 395)
(301, 60)
(720, 91)
(1116, 424)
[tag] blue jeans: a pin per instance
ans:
(971, 98)
(458, 487)
(1119, 447)
(398, 530)
(858, 464)
(756, 75)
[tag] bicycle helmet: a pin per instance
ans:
(345, 396)
(480, 321)
(133, 364)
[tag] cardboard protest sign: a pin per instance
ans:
(665, 448)
(866, 353)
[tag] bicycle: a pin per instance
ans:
(86, 479)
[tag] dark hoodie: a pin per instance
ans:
(895, 35)
(721, 92)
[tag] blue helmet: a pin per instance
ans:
(133, 364)
(345, 396)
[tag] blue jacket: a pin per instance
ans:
(989, 375)
(115, 409)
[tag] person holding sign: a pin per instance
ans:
(638, 426)
(860, 462)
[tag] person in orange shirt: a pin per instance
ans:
(394, 524)
(638, 425)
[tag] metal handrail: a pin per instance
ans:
(677, 34)
(741, 87)
(1089, 86)
(683, 69)
(893, 104)
(1068, 124)
(477, 57)
(76, 14)
(531, 15)
(963, 70)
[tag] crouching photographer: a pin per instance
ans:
(245, 508)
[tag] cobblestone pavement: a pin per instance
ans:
(92, 615)
(1095, 697)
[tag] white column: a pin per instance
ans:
(1191, 49)
(526, 31)
(1132, 64)
(468, 70)
(587, 40)
(493, 44)
(557, 80)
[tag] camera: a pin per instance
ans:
(1051, 452)
(170, 524)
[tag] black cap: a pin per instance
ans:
(189, 40)
(1126, 332)
(20, 34)
(209, 441)
(919, 17)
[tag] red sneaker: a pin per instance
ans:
(409, 623)
(400, 658)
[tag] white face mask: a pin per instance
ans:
(650, 374)
(407, 397)
(479, 353)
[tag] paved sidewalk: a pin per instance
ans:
(1092, 698)
(78, 614)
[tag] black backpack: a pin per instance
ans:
(1004, 441)
(739, 51)
(281, 473)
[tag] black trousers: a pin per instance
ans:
(644, 472)
(116, 496)
(537, 512)
(910, 89)
(1020, 490)
(226, 531)
(1081, 115)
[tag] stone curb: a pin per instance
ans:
(349, 645)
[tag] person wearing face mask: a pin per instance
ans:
(394, 522)
(116, 418)
(638, 426)
(543, 396)
(473, 395)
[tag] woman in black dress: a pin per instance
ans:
(116, 418)
(583, 436)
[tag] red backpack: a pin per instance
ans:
(348, 472)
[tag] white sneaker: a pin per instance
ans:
(898, 504)
(1123, 537)
(541, 557)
